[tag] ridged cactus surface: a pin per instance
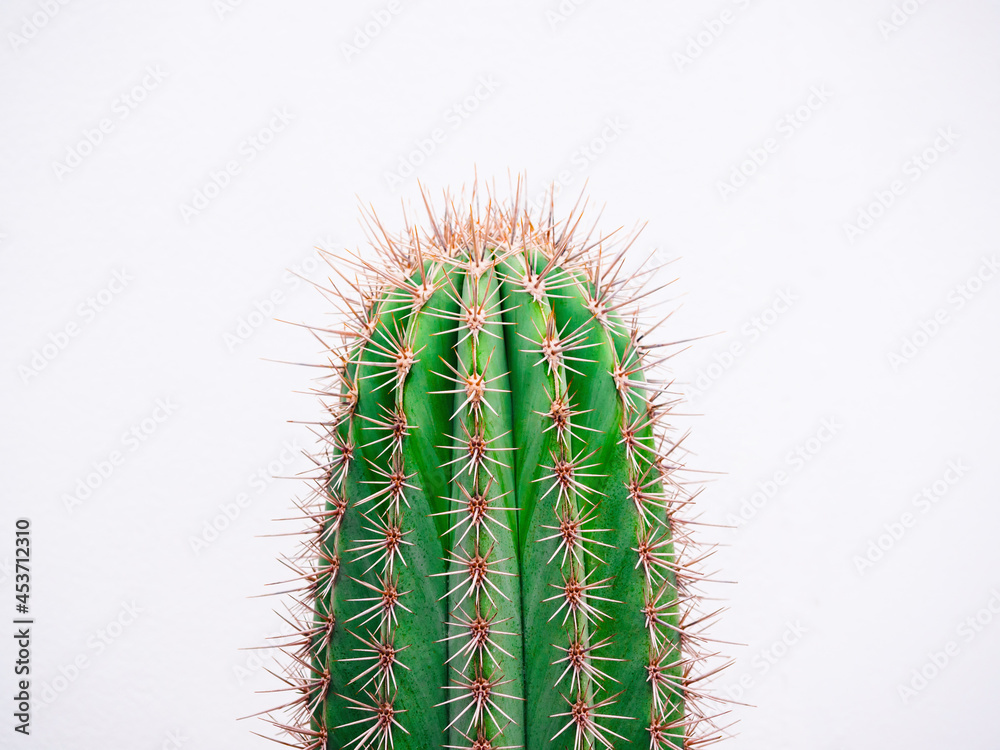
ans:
(497, 559)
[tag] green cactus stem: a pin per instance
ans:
(497, 558)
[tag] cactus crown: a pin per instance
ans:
(496, 557)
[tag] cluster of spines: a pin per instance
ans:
(479, 246)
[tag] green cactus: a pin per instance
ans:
(497, 559)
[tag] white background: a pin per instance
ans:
(695, 90)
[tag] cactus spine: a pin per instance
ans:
(496, 559)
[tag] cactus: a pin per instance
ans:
(496, 559)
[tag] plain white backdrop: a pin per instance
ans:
(824, 173)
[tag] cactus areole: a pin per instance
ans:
(497, 558)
